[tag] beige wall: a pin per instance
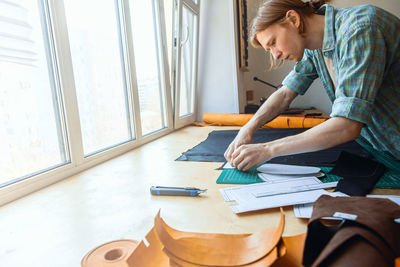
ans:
(258, 62)
(217, 86)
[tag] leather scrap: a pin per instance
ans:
(294, 251)
(219, 249)
(164, 246)
(371, 239)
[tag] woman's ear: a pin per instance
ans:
(293, 18)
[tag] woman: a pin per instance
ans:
(355, 51)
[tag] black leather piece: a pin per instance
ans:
(360, 174)
(213, 148)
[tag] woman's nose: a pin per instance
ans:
(276, 54)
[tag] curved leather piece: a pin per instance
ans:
(218, 249)
(268, 260)
(150, 255)
(294, 251)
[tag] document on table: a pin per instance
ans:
(305, 210)
(248, 198)
(395, 199)
(271, 178)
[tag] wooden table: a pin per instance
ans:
(58, 225)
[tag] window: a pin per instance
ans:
(32, 132)
(185, 68)
(83, 81)
(186, 62)
(149, 70)
(99, 73)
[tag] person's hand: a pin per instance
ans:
(250, 155)
(245, 136)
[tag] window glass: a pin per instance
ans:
(147, 53)
(32, 132)
(186, 106)
(97, 58)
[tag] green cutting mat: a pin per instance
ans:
(391, 179)
(234, 176)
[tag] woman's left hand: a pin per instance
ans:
(251, 155)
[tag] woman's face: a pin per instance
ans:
(283, 41)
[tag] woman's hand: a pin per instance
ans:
(245, 136)
(251, 155)
(275, 104)
(333, 132)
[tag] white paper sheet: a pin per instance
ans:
(249, 192)
(271, 178)
(395, 199)
(305, 210)
(296, 188)
(246, 200)
(278, 201)
(227, 165)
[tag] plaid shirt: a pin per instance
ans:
(364, 45)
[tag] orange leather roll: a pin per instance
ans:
(282, 121)
(111, 254)
(225, 119)
(311, 122)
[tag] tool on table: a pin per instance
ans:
(176, 191)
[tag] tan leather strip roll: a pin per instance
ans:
(111, 254)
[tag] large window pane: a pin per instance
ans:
(99, 73)
(148, 65)
(31, 132)
(189, 26)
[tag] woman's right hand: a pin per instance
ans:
(245, 136)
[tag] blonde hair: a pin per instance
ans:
(274, 11)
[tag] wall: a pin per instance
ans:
(217, 73)
(258, 63)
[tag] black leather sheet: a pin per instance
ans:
(213, 148)
(360, 174)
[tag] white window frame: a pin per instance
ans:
(195, 8)
(57, 30)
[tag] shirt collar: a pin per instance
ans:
(329, 31)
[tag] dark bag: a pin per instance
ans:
(366, 236)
